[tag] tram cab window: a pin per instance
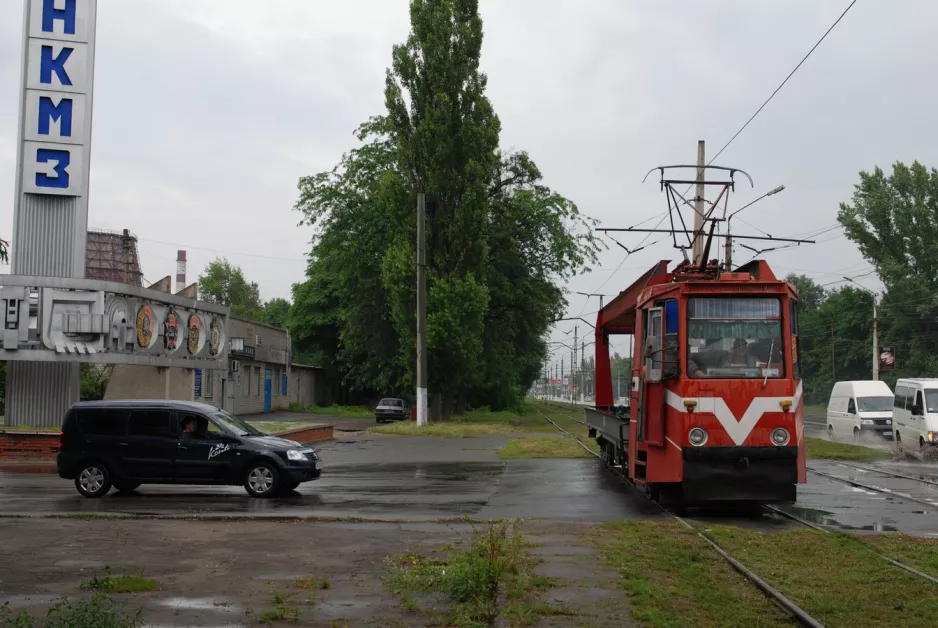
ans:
(735, 338)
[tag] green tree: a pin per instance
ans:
(276, 312)
(810, 294)
(498, 241)
(224, 283)
(94, 380)
(894, 221)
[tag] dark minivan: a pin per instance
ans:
(128, 443)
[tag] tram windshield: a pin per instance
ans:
(734, 338)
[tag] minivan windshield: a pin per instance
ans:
(233, 426)
(875, 404)
(931, 400)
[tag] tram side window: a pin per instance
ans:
(671, 348)
(735, 337)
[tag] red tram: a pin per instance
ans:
(716, 411)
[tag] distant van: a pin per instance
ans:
(860, 407)
(915, 413)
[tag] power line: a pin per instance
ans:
(777, 89)
(232, 253)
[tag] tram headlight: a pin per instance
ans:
(697, 436)
(780, 436)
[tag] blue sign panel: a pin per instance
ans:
(197, 389)
(57, 92)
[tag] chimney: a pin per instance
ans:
(180, 270)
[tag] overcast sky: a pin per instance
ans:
(206, 112)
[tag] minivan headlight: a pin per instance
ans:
(297, 455)
(866, 421)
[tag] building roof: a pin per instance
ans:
(294, 365)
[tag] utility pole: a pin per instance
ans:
(574, 366)
(875, 340)
(421, 312)
(582, 371)
(699, 208)
(728, 252)
(833, 368)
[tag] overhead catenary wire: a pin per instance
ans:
(746, 124)
(782, 84)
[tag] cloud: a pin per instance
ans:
(207, 113)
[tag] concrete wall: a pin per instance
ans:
(308, 386)
(149, 382)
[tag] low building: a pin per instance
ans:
(309, 386)
(258, 377)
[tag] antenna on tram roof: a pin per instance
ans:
(700, 238)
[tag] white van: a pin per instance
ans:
(860, 407)
(915, 413)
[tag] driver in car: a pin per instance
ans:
(191, 428)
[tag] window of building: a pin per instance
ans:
(207, 383)
(150, 423)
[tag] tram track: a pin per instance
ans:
(875, 489)
(783, 602)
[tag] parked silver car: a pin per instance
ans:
(391, 410)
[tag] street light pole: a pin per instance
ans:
(728, 244)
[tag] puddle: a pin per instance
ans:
(827, 519)
(200, 604)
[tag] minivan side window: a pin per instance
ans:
(900, 398)
(150, 423)
(918, 401)
(102, 421)
(851, 407)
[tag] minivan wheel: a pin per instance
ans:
(856, 435)
(830, 432)
(94, 480)
(261, 480)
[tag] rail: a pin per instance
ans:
(793, 609)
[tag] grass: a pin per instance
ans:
(922, 554)
(815, 410)
(543, 447)
(338, 412)
(494, 577)
(484, 422)
(312, 583)
(820, 448)
(675, 580)
(119, 584)
(99, 612)
(281, 613)
(30, 428)
(836, 579)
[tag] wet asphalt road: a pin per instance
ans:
(404, 478)
(375, 478)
